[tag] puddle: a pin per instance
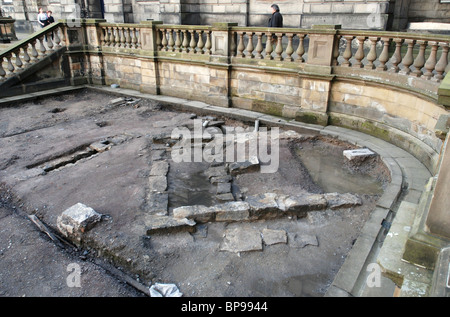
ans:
(328, 171)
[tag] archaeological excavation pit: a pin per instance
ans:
(225, 227)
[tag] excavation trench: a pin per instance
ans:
(249, 233)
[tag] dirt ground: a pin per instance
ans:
(34, 135)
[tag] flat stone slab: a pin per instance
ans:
(302, 240)
(271, 205)
(358, 154)
(271, 236)
(220, 179)
(159, 168)
(157, 203)
(223, 188)
(157, 183)
(216, 171)
(230, 211)
(336, 200)
(198, 213)
(241, 240)
(225, 197)
(164, 224)
(76, 220)
(249, 166)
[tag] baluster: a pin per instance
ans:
(107, 37)
(193, 44)
(443, 61)
(359, 55)
(384, 56)
(158, 40)
(420, 59)
(170, 41)
(178, 41)
(117, 37)
(134, 40)
(290, 48)
(269, 47)
(279, 48)
(50, 42)
(26, 57)
(397, 56)
(41, 46)
(348, 51)
(164, 41)
(431, 61)
(372, 55)
(250, 46)
(200, 43)
(259, 46)
(34, 53)
(18, 63)
(127, 37)
(123, 40)
(103, 37)
(2, 71)
(337, 42)
(185, 41)
(10, 65)
(301, 48)
(408, 59)
(208, 44)
(57, 38)
(240, 48)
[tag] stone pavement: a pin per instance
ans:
(409, 178)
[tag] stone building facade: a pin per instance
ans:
(353, 14)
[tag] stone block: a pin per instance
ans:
(163, 224)
(223, 188)
(358, 154)
(336, 200)
(157, 203)
(271, 236)
(157, 183)
(198, 213)
(302, 240)
(76, 220)
(159, 168)
(232, 211)
(241, 240)
(250, 165)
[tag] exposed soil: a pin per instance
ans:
(41, 134)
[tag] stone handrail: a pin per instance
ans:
(24, 53)
(371, 50)
(430, 62)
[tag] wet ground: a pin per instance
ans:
(46, 169)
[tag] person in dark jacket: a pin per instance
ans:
(276, 21)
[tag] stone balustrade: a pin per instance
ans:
(29, 51)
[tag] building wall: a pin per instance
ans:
(351, 14)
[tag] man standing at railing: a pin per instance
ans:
(276, 21)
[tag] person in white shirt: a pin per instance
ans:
(42, 18)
